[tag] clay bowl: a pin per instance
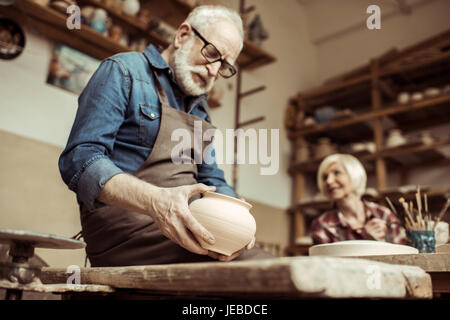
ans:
(227, 218)
(351, 248)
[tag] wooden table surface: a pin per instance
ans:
(437, 265)
(279, 278)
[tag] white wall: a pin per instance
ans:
(30, 107)
(294, 69)
(338, 29)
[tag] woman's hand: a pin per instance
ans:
(376, 228)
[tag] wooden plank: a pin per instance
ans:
(429, 262)
(318, 277)
(37, 286)
(395, 109)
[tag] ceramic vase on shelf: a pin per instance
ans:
(227, 218)
(324, 148)
(131, 7)
(99, 20)
(426, 137)
(302, 151)
(395, 138)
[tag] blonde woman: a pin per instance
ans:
(342, 179)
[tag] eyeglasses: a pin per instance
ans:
(211, 54)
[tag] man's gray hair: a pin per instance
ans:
(352, 165)
(204, 16)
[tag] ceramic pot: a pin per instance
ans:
(432, 92)
(131, 7)
(417, 96)
(403, 97)
(324, 148)
(395, 138)
(302, 152)
(426, 137)
(227, 218)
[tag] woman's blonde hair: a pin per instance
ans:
(352, 165)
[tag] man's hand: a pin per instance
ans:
(376, 228)
(171, 213)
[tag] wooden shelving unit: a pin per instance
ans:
(52, 24)
(370, 92)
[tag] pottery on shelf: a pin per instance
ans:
(324, 148)
(426, 137)
(417, 96)
(131, 7)
(309, 121)
(403, 97)
(227, 218)
(324, 114)
(395, 138)
(432, 92)
(371, 147)
(350, 248)
(302, 151)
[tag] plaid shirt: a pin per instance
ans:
(331, 226)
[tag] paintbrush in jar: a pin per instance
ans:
(405, 207)
(401, 218)
(427, 213)
(419, 207)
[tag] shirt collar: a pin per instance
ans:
(367, 210)
(155, 58)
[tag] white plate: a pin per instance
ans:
(360, 248)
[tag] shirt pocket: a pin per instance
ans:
(149, 122)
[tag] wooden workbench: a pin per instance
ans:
(437, 265)
(280, 278)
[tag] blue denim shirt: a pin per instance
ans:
(117, 123)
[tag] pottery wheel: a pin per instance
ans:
(39, 240)
(21, 249)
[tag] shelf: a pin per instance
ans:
(436, 200)
(353, 89)
(440, 101)
(52, 24)
(418, 152)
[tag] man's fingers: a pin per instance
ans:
(251, 244)
(200, 188)
(187, 241)
(196, 228)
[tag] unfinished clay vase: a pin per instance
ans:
(227, 218)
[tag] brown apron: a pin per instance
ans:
(117, 237)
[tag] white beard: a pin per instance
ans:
(184, 71)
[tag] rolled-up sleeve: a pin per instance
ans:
(85, 165)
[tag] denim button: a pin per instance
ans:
(152, 115)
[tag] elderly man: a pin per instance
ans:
(133, 198)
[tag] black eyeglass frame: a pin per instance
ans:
(222, 61)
